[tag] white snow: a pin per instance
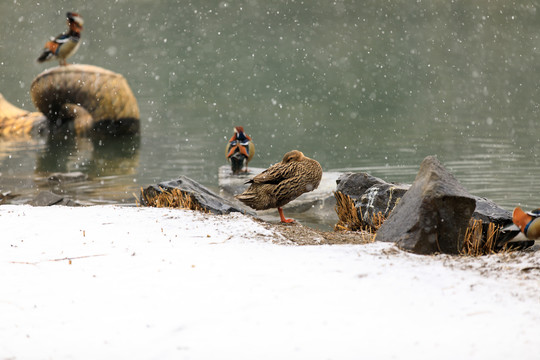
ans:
(109, 282)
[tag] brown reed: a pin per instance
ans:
(173, 198)
(477, 242)
(347, 213)
(349, 219)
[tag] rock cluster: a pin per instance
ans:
(430, 216)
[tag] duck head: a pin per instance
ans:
(239, 130)
(75, 21)
(293, 155)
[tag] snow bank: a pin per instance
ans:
(109, 282)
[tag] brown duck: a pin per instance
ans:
(282, 182)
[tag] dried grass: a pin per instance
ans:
(478, 242)
(350, 221)
(173, 198)
(347, 214)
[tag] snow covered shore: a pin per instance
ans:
(109, 282)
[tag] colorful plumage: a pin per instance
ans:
(282, 183)
(65, 44)
(528, 222)
(240, 148)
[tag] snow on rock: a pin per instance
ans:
(107, 282)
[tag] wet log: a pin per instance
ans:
(89, 100)
(92, 100)
(16, 122)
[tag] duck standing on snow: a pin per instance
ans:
(282, 182)
(239, 148)
(528, 223)
(66, 44)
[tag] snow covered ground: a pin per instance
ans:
(109, 282)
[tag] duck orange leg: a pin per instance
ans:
(283, 220)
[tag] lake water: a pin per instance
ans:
(357, 85)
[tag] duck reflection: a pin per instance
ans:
(92, 170)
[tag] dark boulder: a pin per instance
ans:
(374, 198)
(203, 197)
(378, 201)
(355, 185)
(433, 215)
(490, 213)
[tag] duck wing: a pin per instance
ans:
(275, 174)
(62, 38)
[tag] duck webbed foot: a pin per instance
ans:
(283, 219)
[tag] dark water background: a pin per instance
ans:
(358, 85)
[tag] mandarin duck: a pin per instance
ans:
(282, 182)
(240, 148)
(528, 222)
(66, 44)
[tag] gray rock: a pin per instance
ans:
(433, 215)
(356, 184)
(206, 199)
(379, 200)
(47, 198)
(233, 184)
(6, 196)
(71, 177)
(489, 212)
(373, 196)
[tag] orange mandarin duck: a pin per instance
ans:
(528, 222)
(282, 182)
(239, 149)
(66, 44)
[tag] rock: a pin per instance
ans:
(205, 198)
(355, 185)
(374, 196)
(433, 215)
(47, 198)
(489, 212)
(71, 177)
(378, 202)
(230, 184)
